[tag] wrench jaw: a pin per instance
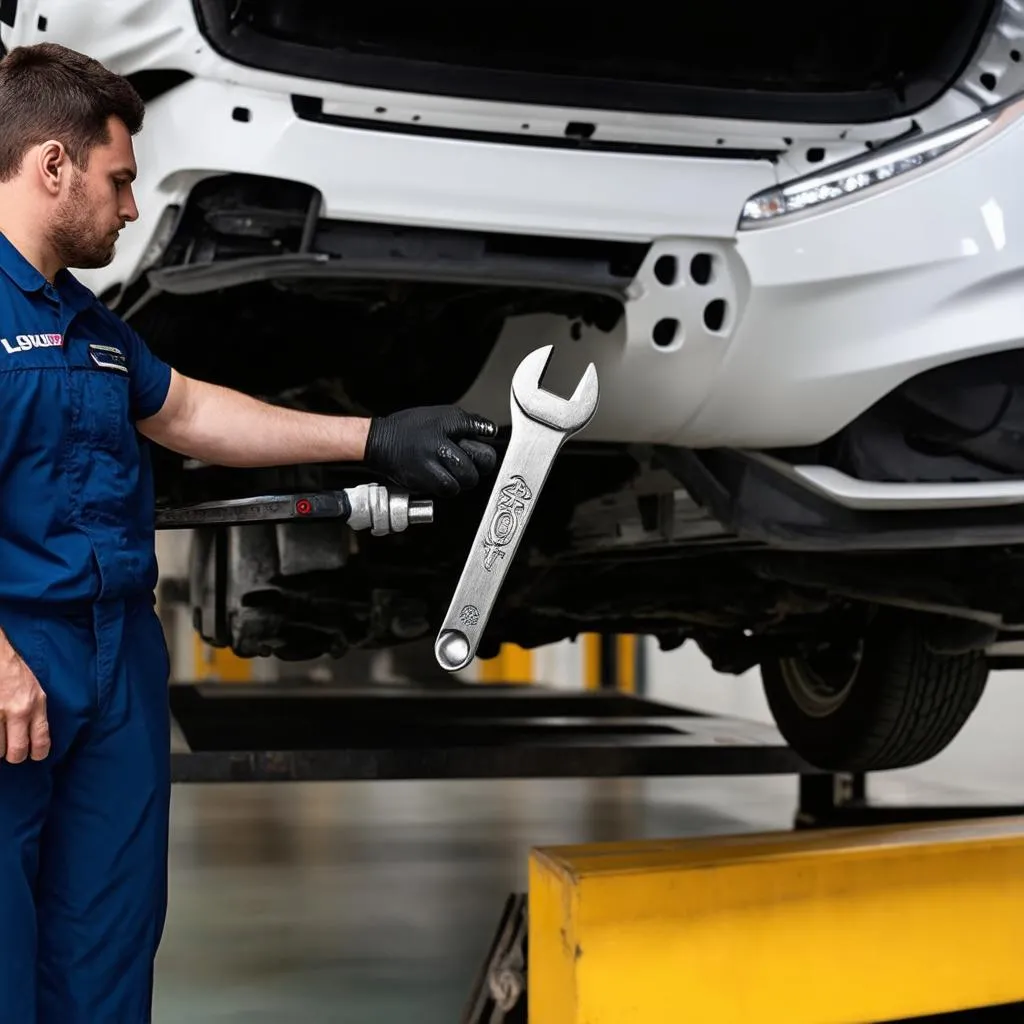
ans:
(541, 423)
(530, 372)
(584, 398)
(546, 407)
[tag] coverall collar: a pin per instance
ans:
(29, 280)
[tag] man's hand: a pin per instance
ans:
(23, 726)
(431, 450)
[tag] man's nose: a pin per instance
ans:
(129, 209)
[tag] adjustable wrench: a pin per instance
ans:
(541, 423)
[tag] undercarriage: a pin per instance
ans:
(617, 545)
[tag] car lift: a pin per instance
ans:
(860, 914)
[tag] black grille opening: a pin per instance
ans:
(875, 59)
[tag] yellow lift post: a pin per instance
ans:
(512, 664)
(613, 662)
(842, 926)
(610, 662)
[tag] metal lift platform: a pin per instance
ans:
(301, 732)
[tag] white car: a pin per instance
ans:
(793, 244)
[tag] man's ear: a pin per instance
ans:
(53, 163)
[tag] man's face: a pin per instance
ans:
(97, 204)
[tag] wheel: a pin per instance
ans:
(883, 701)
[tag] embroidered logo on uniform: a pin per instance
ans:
(27, 342)
(106, 357)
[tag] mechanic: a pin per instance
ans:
(84, 725)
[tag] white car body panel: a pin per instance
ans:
(825, 312)
(435, 182)
(835, 309)
(872, 496)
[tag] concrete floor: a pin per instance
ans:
(374, 902)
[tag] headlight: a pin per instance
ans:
(853, 177)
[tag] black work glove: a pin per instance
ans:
(431, 450)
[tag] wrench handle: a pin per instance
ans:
(523, 473)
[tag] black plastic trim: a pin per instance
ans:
(305, 246)
(311, 108)
(507, 272)
(8, 12)
(758, 503)
(243, 45)
(155, 82)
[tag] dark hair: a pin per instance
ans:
(50, 92)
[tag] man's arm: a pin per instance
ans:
(428, 450)
(226, 428)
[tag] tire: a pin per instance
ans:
(891, 703)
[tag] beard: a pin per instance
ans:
(73, 233)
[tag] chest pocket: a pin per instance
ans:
(33, 399)
(103, 398)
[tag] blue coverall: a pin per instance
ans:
(83, 834)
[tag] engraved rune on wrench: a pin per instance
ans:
(504, 524)
(541, 423)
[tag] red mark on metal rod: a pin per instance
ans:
(303, 506)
